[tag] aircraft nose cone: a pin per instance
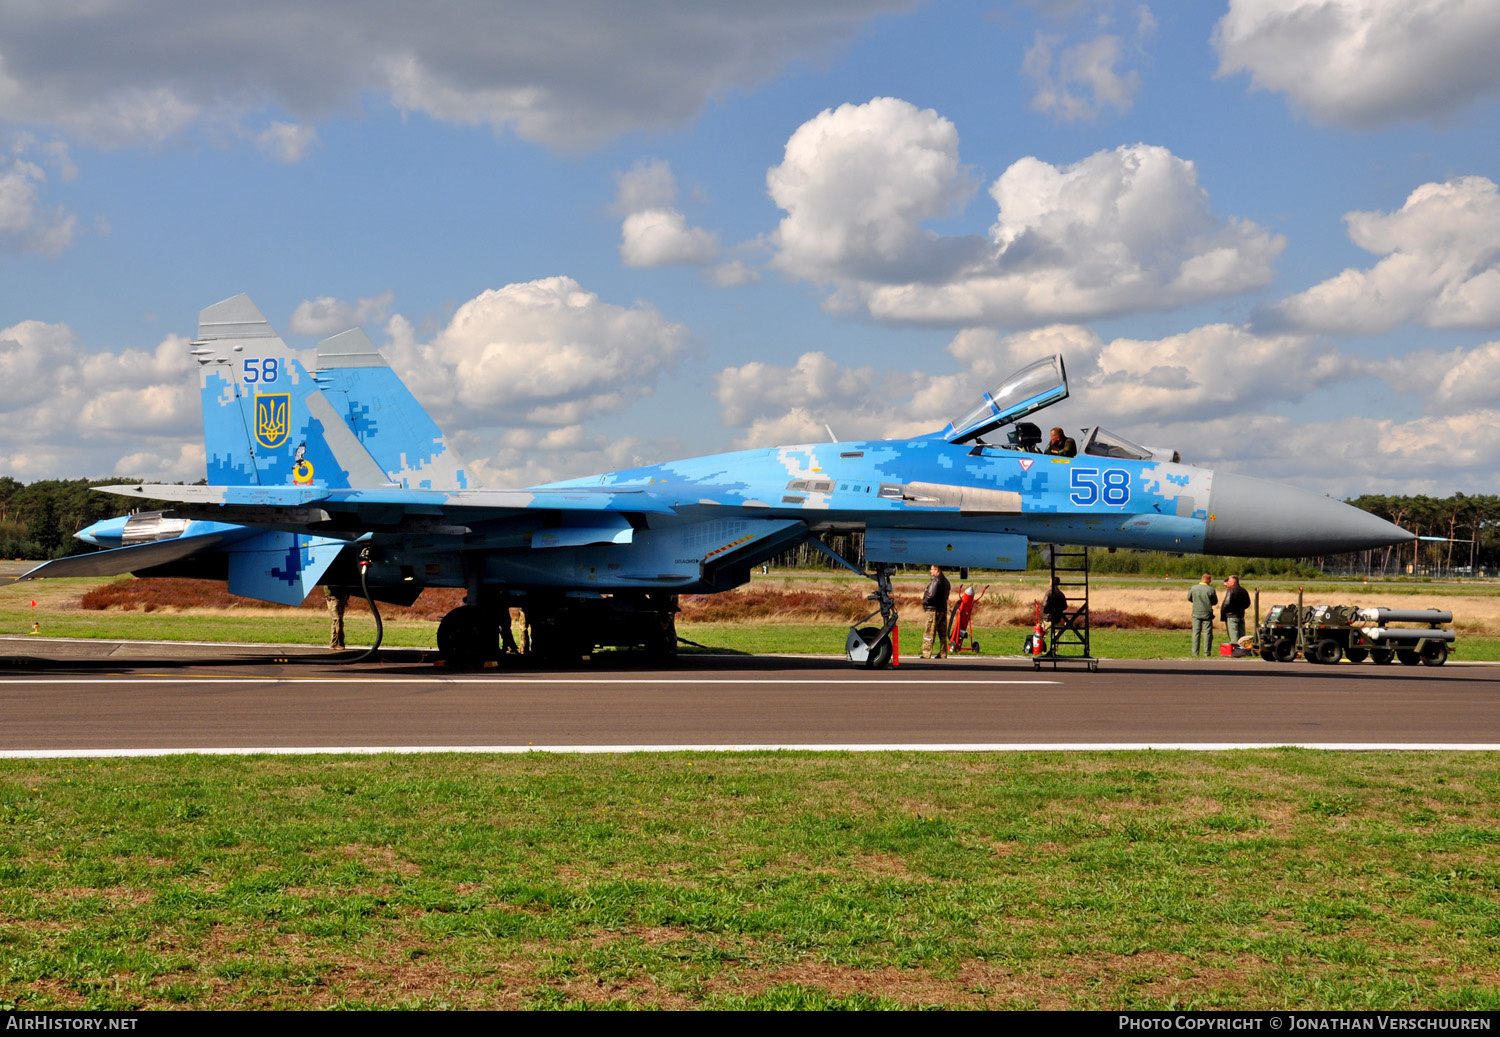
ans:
(1250, 516)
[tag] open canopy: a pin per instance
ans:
(1030, 389)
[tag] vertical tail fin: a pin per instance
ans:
(264, 420)
(399, 434)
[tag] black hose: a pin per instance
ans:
(369, 653)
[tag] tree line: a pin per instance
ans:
(38, 520)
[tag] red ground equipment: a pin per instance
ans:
(1036, 641)
(963, 619)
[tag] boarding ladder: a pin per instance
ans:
(1069, 641)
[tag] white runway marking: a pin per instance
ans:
(911, 747)
(590, 681)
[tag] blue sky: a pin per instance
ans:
(592, 234)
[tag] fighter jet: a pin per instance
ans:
(339, 477)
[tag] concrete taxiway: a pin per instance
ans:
(74, 696)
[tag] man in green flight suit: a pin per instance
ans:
(1204, 598)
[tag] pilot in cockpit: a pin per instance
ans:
(1061, 446)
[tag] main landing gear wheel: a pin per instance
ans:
(468, 637)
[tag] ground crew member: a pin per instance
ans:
(1054, 608)
(337, 602)
(935, 604)
(1232, 612)
(507, 638)
(1204, 598)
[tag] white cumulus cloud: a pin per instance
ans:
(26, 224)
(1441, 266)
(662, 237)
(654, 232)
(857, 182)
(1077, 82)
(97, 413)
(541, 353)
(1120, 231)
(1365, 63)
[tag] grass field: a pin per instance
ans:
(1128, 880)
(1244, 880)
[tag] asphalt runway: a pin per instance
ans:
(60, 697)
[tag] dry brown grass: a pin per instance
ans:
(161, 594)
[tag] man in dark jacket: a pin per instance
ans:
(1232, 612)
(1055, 605)
(935, 604)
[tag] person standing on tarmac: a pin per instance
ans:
(935, 604)
(1204, 598)
(1232, 612)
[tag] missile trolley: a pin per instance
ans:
(1324, 634)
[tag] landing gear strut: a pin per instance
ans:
(874, 648)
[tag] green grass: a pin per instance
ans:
(60, 618)
(1243, 880)
(828, 638)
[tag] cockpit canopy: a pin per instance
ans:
(1027, 391)
(1030, 389)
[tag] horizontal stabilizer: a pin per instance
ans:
(131, 559)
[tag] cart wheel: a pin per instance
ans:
(1093, 665)
(1434, 653)
(1268, 653)
(1408, 656)
(1382, 656)
(1285, 649)
(1327, 651)
(975, 646)
(1355, 654)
